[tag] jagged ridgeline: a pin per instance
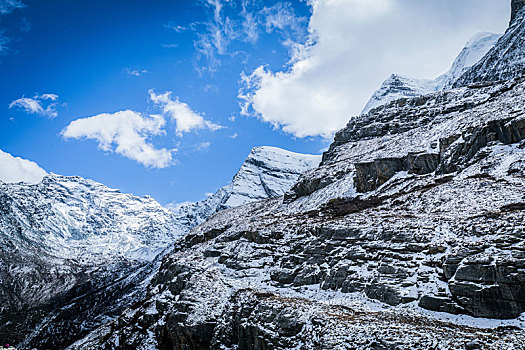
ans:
(409, 235)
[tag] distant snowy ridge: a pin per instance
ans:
(396, 86)
(75, 218)
(267, 172)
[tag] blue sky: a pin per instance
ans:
(199, 83)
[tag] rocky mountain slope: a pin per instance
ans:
(409, 235)
(397, 87)
(74, 253)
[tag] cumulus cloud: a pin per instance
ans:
(352, 46)
(16, 169)
(42, 105)
(186, 119)
(126, 133)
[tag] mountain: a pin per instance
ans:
(397, 87)
(409, 235)
(69, 247)
(75, 253)
(507, 59)
(267, 172)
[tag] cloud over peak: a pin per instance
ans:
(352, 46)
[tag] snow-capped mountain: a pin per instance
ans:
(75, 253)
(267, 172)
(409, 235)
(507, 59)
(396, 86)
(75, 218)
(475, 49)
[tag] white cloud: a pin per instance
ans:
(240, 21)
(43, 105)
(281, 16)
(352, 46)
(51, 97)
(16, 169)
(125, 133)
(185, 118)
(135, 72)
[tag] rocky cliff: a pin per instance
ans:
(418, 235)
(516, 5)
(409, 235)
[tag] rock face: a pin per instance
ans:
(423, 212)
(397, 87)
(517, 5)
(506, 60)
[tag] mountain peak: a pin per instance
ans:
(506, 60)
(267, 172)
(396, 86)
